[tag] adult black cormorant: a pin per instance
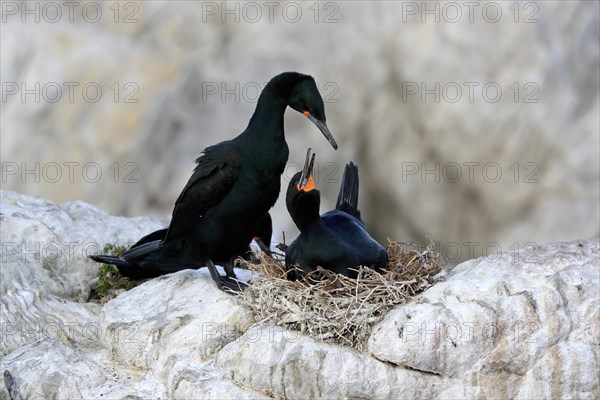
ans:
(336, 240)
(232, 188)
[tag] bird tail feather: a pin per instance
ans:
(110, 260)
(348, 196)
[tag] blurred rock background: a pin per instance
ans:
(476, 124)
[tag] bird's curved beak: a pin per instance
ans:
(307, 183)
(323, 128)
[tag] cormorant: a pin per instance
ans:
(336, 240)
(232, 188)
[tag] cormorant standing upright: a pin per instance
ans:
(232, 188)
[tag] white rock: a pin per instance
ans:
(506, 319)
(142, 343)
(189, 380)
(55, 368)
(284, 364)
(53, 242)
(29, 315)
(44, 263)
(517, 326)
(182, 315)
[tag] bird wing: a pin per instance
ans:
(215, 174)
(156, 235)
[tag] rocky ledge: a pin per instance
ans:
(519, 325)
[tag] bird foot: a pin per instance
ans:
(225, 283)
(231, 285)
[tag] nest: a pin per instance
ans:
(333, 308)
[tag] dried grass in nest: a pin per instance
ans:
(333, 308)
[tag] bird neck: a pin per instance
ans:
(312, 221)
(267, 120)
(306, 213)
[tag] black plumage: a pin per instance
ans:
(262, 237)
(232, 188)
(336, 240)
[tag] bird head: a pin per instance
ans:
(304, 97)
(302, 199)
(306, 182)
